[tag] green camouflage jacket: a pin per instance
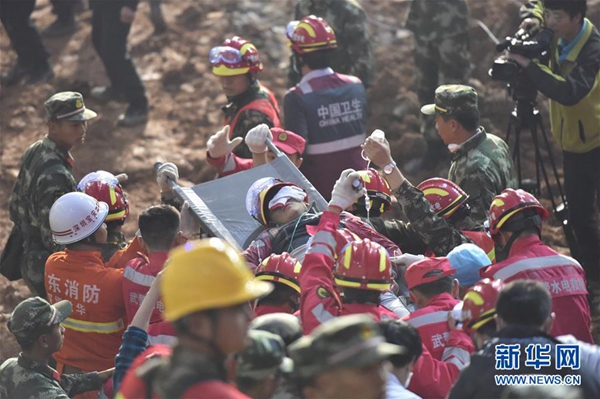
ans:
(354, 55)
(483, 167)
(24, 378)
(436, 19)
(45, 175)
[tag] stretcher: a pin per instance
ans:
(220, 205)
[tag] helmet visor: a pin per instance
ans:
(225, 54)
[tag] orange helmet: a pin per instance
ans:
(256, 203)
(377, 187)
(310, 34)
(105, 187)
(510, 202)
(280, 269)
(479, 304)
(444, 196)
(236, 56)
(363, 264)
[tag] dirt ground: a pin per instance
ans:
(185, 98)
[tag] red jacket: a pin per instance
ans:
(229, 164)
(319, 301)
(564, 277)
(432, 324)
(137, 279)
(433, 378)
(268, 309)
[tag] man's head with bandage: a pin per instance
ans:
(274, 202)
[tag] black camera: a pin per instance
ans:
(524, 43)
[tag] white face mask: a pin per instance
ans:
(408, 379)
(454, 147)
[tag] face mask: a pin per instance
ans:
(408, 379)
(454, 147)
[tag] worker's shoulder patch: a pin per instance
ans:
(323, 292)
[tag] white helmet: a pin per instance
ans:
(75, 216)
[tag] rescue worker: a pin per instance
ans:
(433, 290)
(354, 55)
(283, 271)
(111, 23)
(45, 175)
(468, 260)
(379, 194)
(36, 326)
(524, 317)
(481, 162)
(209, 327)
(105, 187)
(438, 210)
(32, 57)
(94, 288)
(282, 208)
(161, 228)
(361, 270)
(516, 226)
(327, 108)
(343, 358)
(237, 63)
(441, 55)
(261, 365)
(479, 311)
(220, 148)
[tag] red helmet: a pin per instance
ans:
(310, 34)
(236, 56)
(479, 304)
(363, 264)
(377, 187)
(280, 269)
(344, 237)
(256, 203)
(444, 196)
(510, 202)
(103, 188)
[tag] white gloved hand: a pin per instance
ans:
(406, 259)
(167, 170)
(219, 144)
(344, 194)
(188, 224)
(256, 139)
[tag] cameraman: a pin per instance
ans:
(571, 81)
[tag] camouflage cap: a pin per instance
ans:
(35, 315)
(68, 106)
(349, 341)
(452, 99)
(263, 356)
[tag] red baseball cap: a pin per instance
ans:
(288, 142)
(427, 270)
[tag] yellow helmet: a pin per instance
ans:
(209, 274)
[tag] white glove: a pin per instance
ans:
(187, 224)
(256, 139)
(219, 144)
(406, 259)
(167, 170)
(344, 194)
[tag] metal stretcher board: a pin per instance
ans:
(220, 205)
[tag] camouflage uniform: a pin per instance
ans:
(441, 51)
(481, 166)
(426, 230)
(23, 377)
(354, 55)
(45, 175)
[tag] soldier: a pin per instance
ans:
(36, 325)
(441, 54)
(347, 18)
(111, 23)
(260, 367)
(343, 358)
(237, 63)
(32, 56)
(46, 175)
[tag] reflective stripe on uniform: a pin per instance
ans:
(533, 264)
(136, 277)
(321, 314)
(91, 327)
(429, 318)
(458, 356)
(336, 145)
